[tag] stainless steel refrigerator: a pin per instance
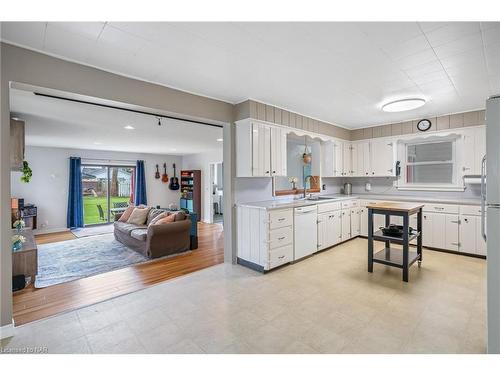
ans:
(490, 219)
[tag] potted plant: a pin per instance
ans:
(27, 172)
(19, 225)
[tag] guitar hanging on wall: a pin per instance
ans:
(174, 181)
(164, 177)
(157, 173)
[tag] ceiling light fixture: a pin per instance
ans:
(129, 127)
(159, 121)
(403, 105)
(219, 139)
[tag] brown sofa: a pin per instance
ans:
(155, 240)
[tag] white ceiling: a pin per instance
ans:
(335, 72)
(59, 123)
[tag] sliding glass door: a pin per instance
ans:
(106, 190)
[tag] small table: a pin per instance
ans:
(391, 256)
(25, 260)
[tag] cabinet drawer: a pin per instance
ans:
(354, 203)
(364, 203)
(280, 256)
(346, 204)
(280, 218)
(470, 210)
(444, 208)
(326, 207)
(280, 237)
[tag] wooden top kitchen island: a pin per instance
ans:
(390, 256)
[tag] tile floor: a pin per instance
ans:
(325, 304)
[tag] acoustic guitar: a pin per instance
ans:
(164, 177)
(157, 174)
(174, 181)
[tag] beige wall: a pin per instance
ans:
(24, 66)
(457, 120)
(269, 113)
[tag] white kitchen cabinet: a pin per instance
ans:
(363, 221)
(329, 229)
(346, 224)
(474, 148)
(278, 152)
(356, 160)
(382, 157)
(480, 242)
(355, 222)
(427, 229)
(367, 158)
(331, 157)
(451, 232)
(468, 228)
(346, 159)
(261, 150)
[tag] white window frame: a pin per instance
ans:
(457, 183)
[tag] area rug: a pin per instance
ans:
(65, 261)
(93, 230)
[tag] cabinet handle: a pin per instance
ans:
(366, 173)
(373, 172)
(281, 257)
(439, 208)
(281, 238)
(267, 172)
(389, 170)
(274, 171)
(465, 168)
(455, 221)
(455, 243)
(281, 219)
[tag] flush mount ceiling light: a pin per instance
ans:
(219, 139)
(403, 105)
(129, 127)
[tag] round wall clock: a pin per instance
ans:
(424, 125)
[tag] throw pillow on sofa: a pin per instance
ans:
(165, 220)
(159, 217)
(138, 216)
(126, 214)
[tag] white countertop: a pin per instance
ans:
(292, 203)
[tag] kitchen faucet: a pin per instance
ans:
(305, 182)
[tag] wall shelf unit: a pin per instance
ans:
(191, 191)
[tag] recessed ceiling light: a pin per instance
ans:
(129, 127)
(403, 105)
(219, 139)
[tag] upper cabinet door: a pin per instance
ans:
(261, 150)
(278, 152)
(382, 157)
(468, 162)
(479, 148)
(367, 159)
(355, 160)
(346, 159)
(338, 159)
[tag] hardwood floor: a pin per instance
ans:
(54, 237)
(31, 304)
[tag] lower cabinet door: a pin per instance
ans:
(468, 234)
(413, 225)
(363, 221)
(427, 230)
(451, 232)
(346, 224)
(323, 224)
(355, 222)
(335, 227)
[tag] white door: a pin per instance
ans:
(278, 152)
(427, 229)
(355, 222)
(354, 159)
(335, 227)
(346, 224)
(469, 159)
(338, 159)
(261, 150)
(451, 232)
(383, 158)
(323, 229)
(479, 149)
(367, 159)
(468, 234)
(346, 159)
(363, 221)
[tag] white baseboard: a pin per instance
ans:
(7, 331)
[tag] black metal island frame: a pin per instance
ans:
(395, 257)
